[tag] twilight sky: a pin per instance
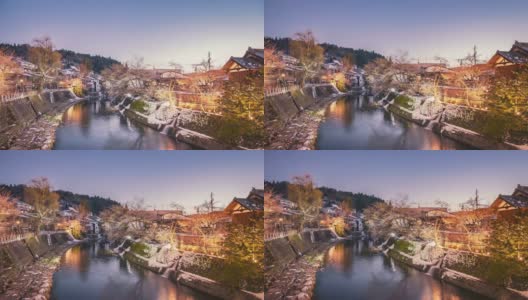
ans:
(423, 176)
(160, 177)
(424, 28)
(158, 30)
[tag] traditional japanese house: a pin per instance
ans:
(243, 210)
(509, 205)
(507, 61)
(239, 67)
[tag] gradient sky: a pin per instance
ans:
(160, 177)
(158, 30)
(423, 176)
(424, 28)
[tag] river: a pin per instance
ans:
(94, 125)
(353, 272)
(87, 272)
(353, 122)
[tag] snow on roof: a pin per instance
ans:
(513, 57)
(515, 201)
(246, 63)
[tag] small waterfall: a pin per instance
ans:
(49, 239)
(314, 92)
(312, 237)
(434, 267)
(167, 271)
(52, 99)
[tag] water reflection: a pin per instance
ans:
(353, 122)
(93, 124)
(87, 272)
(351, 271)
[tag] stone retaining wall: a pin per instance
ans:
(18, 114)
(286, 106)
(17, 255)
(282, 251)
(190, 270)
(459, 279)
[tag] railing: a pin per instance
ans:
(16, 96)
(268, 236)
(5, 239)
(274, 91)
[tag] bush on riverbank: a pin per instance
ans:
(140, 106)
(140, 249)
(404, 101)
(497, 125)
(404, 246)
(500, 272)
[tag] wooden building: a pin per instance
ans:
(238, 67)
(507, 61)
(509, 205)
(242, 210)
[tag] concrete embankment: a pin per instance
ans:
(27, 265)
(193, 127)
(198, 271)
(439, 263)
(292, 262)
(293, 117)
(30, 122)
(456, 122)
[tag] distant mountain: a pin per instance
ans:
(97, 62)
(97, 204)
(359, 200)
(361, 56)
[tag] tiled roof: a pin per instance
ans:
(522, 45)
(246, 63)
(513, 57)
(523, 189)
(515, 201)
(250, 203)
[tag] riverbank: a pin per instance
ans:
(29, 123)
(438, 263)
(193, 270)
(292, 263)
(27, 266)
(293, 117)
(443, 119)
(192, 127)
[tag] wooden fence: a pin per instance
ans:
(279, 90)
(16, 96)
(8, 238)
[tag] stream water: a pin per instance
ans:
(87, 272)
(353, 122)
(353, 272)
(93, 125)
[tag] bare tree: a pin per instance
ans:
(273, 64)
(8, 66)
(47, 60)
(309, 199)
(310, 54)
(39, 193)
(8, 209)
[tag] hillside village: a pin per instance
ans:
(197, 107)
(154, 239)
(473, 240)
(473, 103)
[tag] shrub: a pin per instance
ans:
(404, 247)
(139, 106)
(498, 271)
(140, 249)
(238, 131)
(404, 101)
